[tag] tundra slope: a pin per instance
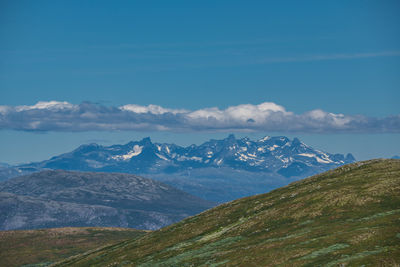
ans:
(45, 246)
(347, 216)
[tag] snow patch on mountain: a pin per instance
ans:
(307, 155)
(162, 157)
(279, 155)
(272, 148)
(133, 153)
(266, 138)
(184, 158)
(324, 158)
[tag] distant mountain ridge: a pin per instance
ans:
(199, 169)
(4, 165)
(65, 198)
(269, 154)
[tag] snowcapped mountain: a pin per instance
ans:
(269, 154)
(217, 170)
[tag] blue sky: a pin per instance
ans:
(342, 57)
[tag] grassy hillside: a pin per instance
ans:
(348, 216)
(41, 247)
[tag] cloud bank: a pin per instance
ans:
(268, 116)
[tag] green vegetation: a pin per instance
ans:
(34, 248)
(344, 217)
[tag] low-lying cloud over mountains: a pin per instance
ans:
(268, 116)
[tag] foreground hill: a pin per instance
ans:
(346, 216)
(245, 166)
(45, 246)
(64, 198)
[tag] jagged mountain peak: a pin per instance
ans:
(264, 139)
(146, 141)
(296, 141)
(269, 154)
(231, 137)
(88, 147)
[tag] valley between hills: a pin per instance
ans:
(349, 216)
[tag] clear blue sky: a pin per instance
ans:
(338, 56)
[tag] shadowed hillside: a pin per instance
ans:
(348, 216)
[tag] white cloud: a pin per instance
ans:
(240, 113)
(324, 57)
(51, 105)
(268, 116)
(339, 120)
(153, 109)
(4, 109)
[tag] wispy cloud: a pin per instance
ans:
(268, 116)
(323, 57)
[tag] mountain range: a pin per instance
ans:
(217, 170)
(64, 198)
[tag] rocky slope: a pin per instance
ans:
(65, 198)
(345, 217)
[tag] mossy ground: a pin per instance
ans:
(345, 217)
(45, 246)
